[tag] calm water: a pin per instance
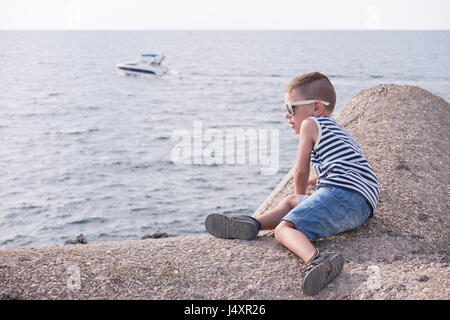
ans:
(87, 149)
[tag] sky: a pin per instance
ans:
(224, 14)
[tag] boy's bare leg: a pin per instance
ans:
(271, 219)
(285, 231)
(294, 240)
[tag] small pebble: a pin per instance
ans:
(423, 278)
(401, 287)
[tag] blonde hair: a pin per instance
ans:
(314, 85)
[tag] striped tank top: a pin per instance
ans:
(337, 160)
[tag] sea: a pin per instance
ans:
(85, 148)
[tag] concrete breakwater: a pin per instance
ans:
(401, 253)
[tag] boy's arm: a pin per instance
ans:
(308, 135)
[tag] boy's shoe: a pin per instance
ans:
(320, 270)
(237, 227)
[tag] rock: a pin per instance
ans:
(155, 235)
(423, 278)
(405, 140)
(80, 239)
(401, 287)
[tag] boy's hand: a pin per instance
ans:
(312, 180)
(311, 183)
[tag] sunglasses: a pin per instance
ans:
(290, 105)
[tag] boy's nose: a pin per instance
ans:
(287, 116)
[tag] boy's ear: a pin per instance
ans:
(318, 107)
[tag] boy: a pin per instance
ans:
(346, 187)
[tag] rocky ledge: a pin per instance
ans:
(401, 253)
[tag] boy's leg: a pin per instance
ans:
(294, 240)
(324, 213)
(320, 268)
(271, 219)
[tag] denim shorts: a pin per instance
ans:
(329, 210)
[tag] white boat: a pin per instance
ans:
(149, 63)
